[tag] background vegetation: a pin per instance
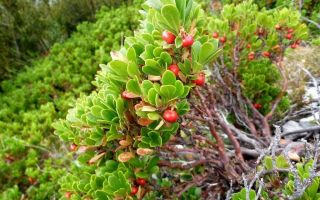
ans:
(29, 28)
(31, 157)
(47, 61)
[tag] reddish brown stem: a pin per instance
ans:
(220, 143)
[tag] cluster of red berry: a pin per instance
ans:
(139, 182)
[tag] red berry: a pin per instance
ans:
(223, 39)
(277, 27)
(290, 30)
(298, 42)
(289, 36)
(257, 106)
(215, 35)
(68, 195)
(200, 79)
(73, 147)
(294, 45)
(168, 37)
(266, 54)
(248, 46)
(251, 55)
(187, 41)
(174, 68)
(134, 190)
(141, 181)
(170, 116)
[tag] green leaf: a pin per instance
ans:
(111, 166)
(152, 67)
(113, 134)
(207, 52)
(133, 86)
(146, 86)
(185, 91)
(178, 42)
(166, 58)
(195, 51)
(96, 111)
(131, 55)
(172, 16)
(153, 116)
(155, 139)
(181, 5)
(133, 69)
(101, 195)
(168, 91)
(118, 67)
(120, 106)
(185, 67)
(183, 107)
(168, 78)
(179, 88)
(152, 94)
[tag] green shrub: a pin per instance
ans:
(32, 160)
(119, 129)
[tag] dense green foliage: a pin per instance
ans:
(308, 8)
(119, 127)
(29, 28)
(283, 183)
(31, 158)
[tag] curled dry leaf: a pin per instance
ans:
(159, 125)
(144, 151)
(154, 78)
(144, 121)
(125, 156)
(139, 105)
(82, 149)
(96, 158)
(125, 143)
(293, 156)
(116, 55)
(129, 95)
(148, 109)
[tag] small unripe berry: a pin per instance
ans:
(215, 35)
(187, 41)
(278, 27)
(134, 190)
(73, 147)
(141, 181)
(168, 37)
(175, 69)
(67, 195)
(248, 46)
(170, 116)
(201, 79)
(223, 39)
(266, 54)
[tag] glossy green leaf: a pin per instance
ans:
(168, 78)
